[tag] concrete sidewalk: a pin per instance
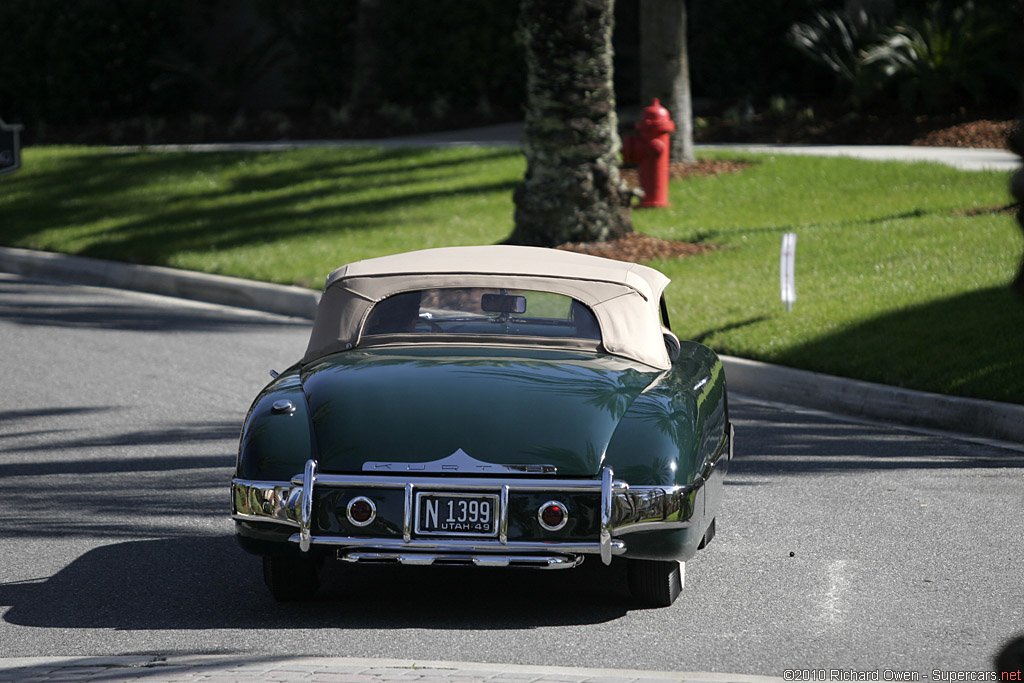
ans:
(964, 158)
(229, 668)
(985, 419)
(510, 135)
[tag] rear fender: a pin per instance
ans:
(277, 437)
(672, 432)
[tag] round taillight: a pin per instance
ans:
(553, 515)
(361, 511)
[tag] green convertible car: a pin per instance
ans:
(493, 406)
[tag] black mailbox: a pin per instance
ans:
(10, 148)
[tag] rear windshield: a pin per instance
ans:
(482, 311)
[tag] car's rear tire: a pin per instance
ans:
(291, 578)
(656, 583)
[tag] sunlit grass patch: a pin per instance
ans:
(900, 278)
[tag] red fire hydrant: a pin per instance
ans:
(649, 151)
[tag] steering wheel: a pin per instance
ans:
(431, 325)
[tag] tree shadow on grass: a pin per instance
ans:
(969, 345)
(702, 336)
(149, 219)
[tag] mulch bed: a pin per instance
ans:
(637, 247)
(838, 127)
(677, 170)
(982, 134)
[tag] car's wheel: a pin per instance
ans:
(291, 578)
(656, 583)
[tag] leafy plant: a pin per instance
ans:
(836, 40)
(948, 53)
(938, 57)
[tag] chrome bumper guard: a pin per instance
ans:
(624, 510)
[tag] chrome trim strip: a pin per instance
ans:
(536, 561)
(457, 462)
(732, 439)
(306, 519)
(503, 519)
(407, 520)
(605, 534)
(453, 483)
(455, 545)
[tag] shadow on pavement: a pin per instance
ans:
(209, 583)
(781, 441)
(21, 303)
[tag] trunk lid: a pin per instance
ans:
(409, 408)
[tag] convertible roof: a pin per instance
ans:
(624, 296)
(509, 260)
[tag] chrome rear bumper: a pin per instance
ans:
(624, 510)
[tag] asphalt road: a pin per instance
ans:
(841, 545)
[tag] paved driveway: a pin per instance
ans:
(841, 545)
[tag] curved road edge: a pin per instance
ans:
(987, 419)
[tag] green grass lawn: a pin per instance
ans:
(894, 283)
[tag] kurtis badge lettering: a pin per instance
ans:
(459, 461)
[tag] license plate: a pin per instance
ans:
(456, 514)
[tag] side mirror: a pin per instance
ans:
(672, 344)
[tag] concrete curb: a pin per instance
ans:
(988, 419)
(249, 668)
(216, 289)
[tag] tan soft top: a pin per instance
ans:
(624, 297)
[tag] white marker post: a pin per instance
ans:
(787, 272)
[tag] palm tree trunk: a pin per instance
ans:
(571, 191)
(665, 68)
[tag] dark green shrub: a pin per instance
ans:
(738, 48)
(320, 33)
(946, 55)
(69, 62)
(837, 40)
(462, 52)
(929, 56)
